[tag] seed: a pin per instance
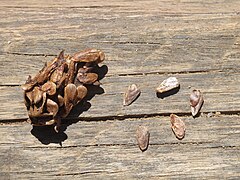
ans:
(87, 78)
(178, 126)
(196, 101)
(168, 84)
(143, 137)
(131, 94)
(49, 87)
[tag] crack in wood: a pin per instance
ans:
(65, 7)
(87, 172)
(132, 145)
(30, 54)
(123, 117)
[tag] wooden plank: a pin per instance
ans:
(220, 90)
(127, 61)
(145, 42)
(174, 39)
(108, 149)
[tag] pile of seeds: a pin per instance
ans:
(60, 85)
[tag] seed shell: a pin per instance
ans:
(178, 126)
(131, 95)
(196, 101)
(168, 84)
(143, 136)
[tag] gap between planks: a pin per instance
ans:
(125, 117)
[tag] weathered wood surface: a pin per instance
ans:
(108, 149)
(145, 42)
(221, 93)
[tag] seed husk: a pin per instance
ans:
(89, 56)
(143, 136)
(168, 84)
(178, 126)
(81, 92)
(50, 94)
(70, 95)
(132, 93)
(87, 78)
(49, 87)
(196, 101)
(52, 107)
(37, 95)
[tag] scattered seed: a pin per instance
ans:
(168, 84)
(178, 126)
(143, 137)
(131, 94)
(196, 101)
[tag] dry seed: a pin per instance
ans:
(143, 137)
(178, 126)
(49, 87)
(196, 101)
(131, 94)
(168, 84)
(51, 94)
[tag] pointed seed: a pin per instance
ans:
(143, 136)
(131, 95)
(178, 126)
(196, 101)
(168, 84)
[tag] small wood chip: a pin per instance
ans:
(131, 95)
(143, 137)
(178, 126)
(196, 101)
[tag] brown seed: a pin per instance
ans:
(81, 92)
(36, 110)
(49, 87)
(52, 107)
(196, 101)
(131, 95)
(178, 126)
(143, 136)
(87, 78)
(71, 72)
(60, 100)
(28, 84)
(37, 94)
(45, 73)
(56, 76)
(89, 55)
(168, 84)
(70, 95)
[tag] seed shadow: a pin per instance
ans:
(168, 93)
(47, 134)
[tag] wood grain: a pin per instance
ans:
(108, 149)
(174, 37)
(145, 42)
(219, 89)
